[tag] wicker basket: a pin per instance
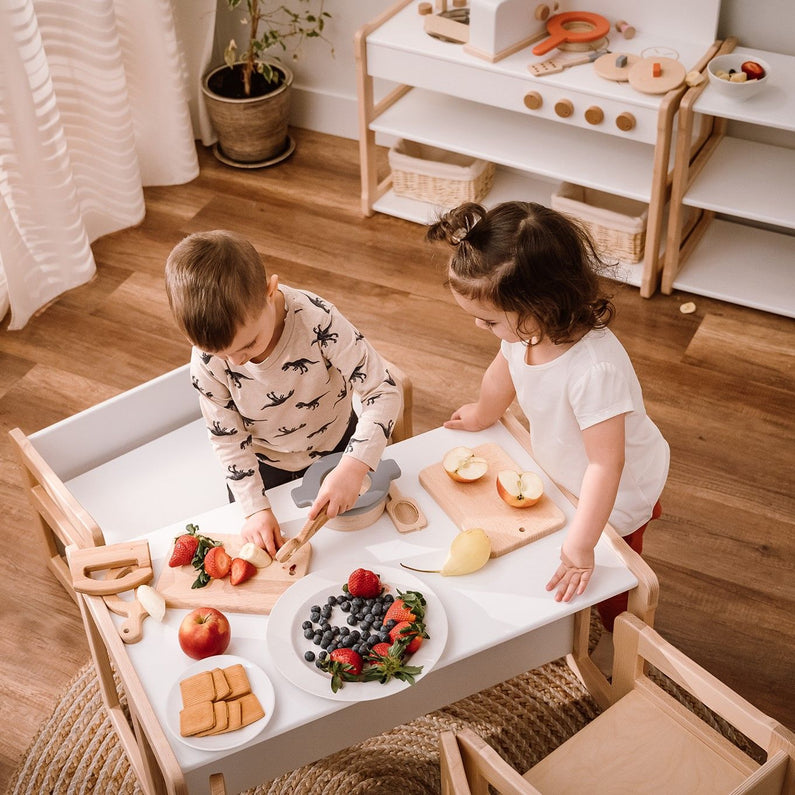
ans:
(617, 225)
(435, 175)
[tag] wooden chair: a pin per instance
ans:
(130, 465)
(645, 742)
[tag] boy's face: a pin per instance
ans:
(257, 336)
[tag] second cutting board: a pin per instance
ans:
(257, 595)
(477, 504)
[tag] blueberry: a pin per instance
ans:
(332, 600)
(316, 638)
(309, 656)
(319, 664)
(353, 621)
(373, 639)
(348, 641)
(326, 611)
(309, 633)
(388, 598)
(306, 625)
(321, 655)
(345, 606)
(391, 623)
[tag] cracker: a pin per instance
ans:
(196, 718)
(235, 716)
(222, 689)
(221, 719)
(250, 708)
(237, 678)
(197, 688)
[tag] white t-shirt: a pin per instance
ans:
(591, 382)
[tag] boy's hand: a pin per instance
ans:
(340, 488)
(573, 574)
(263, 529)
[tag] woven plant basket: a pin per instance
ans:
(435, 175)
(616, 224)
(252, 129)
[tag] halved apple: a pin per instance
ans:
(519, 489)
(463, 466)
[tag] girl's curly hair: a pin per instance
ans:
(526, 258)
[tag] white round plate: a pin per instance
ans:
(261, 687)
(287, 644)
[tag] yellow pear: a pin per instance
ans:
(469, 552)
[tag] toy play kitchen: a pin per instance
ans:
(551, 92)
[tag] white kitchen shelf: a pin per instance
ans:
(742, 181)
(544, 148)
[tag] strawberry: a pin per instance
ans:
(364, 583)
(344, 665)
(379, 650)
(413, 633)
(241, 571)
(409, 606)
(217, 563)
(185, 547)
(386, 662)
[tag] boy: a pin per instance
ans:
(276, 369)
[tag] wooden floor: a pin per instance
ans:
(720, 383)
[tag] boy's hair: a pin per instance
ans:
(526, 258)
(215, 283)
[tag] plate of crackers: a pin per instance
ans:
(220, 703)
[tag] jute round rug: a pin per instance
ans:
(76, 750)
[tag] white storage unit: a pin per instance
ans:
(500, 112)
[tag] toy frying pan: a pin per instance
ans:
(572, 27)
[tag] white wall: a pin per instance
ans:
(325, 95)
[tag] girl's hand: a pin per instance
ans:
(573, 574)
(467, 418)
(262, 529)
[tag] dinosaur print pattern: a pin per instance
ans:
(285, 411)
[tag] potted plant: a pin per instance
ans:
(248, 98)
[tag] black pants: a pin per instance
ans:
(273, 476)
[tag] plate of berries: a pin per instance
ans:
(356, 635)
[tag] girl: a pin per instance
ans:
(529, 276)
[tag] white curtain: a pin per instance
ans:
(98, 98)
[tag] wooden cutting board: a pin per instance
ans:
(257, 595)
(478, 504)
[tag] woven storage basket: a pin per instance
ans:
(617, 224)
(435, 175)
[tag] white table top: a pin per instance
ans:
(501, 620)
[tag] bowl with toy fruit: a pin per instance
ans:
(738, 75)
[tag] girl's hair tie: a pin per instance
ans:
(459, 235)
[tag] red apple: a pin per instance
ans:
(463, 466)
(519, 489)
(204, 632)
(754, 70)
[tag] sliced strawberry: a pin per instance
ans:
(217, 563)
(409, 606)
(241, 571)
(185, 547)
(406, 630)
(364, 583)
(344, 665)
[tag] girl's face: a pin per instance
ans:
(500, 323)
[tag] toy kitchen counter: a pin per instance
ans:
(549, 95)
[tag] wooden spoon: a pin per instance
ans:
(309, 529)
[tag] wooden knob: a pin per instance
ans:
(625, 121)
(424, 8)
(542, 12)
(594, 115)
(564, 108)
(533, 100)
